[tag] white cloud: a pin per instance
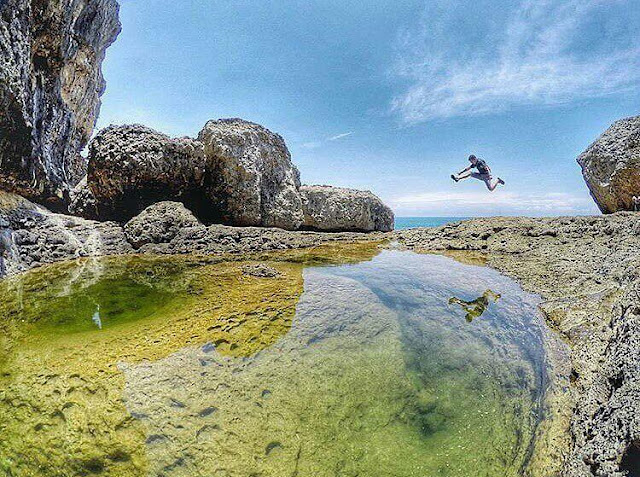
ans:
(500, 202)
(340, 136)
(542, 52)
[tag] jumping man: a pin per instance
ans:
(484, 173)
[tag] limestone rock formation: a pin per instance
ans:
(82, 202)
(611, 166)
(50, 86)
(336, 208)
(132, 167)
(159, 223)
(253, 181)
(31, 235)
(237, 173)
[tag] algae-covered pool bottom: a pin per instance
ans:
(351, 361)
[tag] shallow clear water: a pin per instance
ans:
(350, 362)
(415, 222)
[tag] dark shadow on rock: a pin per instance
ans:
(631, 460)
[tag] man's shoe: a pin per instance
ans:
(500, 181)
(454, 178)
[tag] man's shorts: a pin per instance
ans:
(483, 177)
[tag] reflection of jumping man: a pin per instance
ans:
(477, 307)
(483, 174)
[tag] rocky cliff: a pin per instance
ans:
(50, 86)
(611, 166)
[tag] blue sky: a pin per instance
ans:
(393, 96)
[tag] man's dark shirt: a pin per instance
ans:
(481, 166)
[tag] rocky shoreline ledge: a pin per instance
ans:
(587, 271)
(31, 236)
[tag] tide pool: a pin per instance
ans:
(352, 360)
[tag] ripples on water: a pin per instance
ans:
(177, 367)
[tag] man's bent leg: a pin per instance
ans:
(491, 183)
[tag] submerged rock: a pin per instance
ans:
(611, 166)
(361, 382)
(253, 181)
(50, 87)
(132, 167)
(336, 208)
(70, 373)
(259, 270)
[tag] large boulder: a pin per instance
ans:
(50, 86)
(611, 166)
(159, 223)
(253, 181)
(338, 209)
(132, 167)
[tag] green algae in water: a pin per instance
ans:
(376, 376)
(107, 303)
(92, 294)
(61, 408)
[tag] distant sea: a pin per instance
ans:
(414, 222)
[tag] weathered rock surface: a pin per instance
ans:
(132, 167)
(159, 223)
(253, 181)
(216, 239)
(586, 268)
(611, 166)
(259, 270)
(336, 208)
(31, 236)
(50, 86)
(82, 202)
(237, 173)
